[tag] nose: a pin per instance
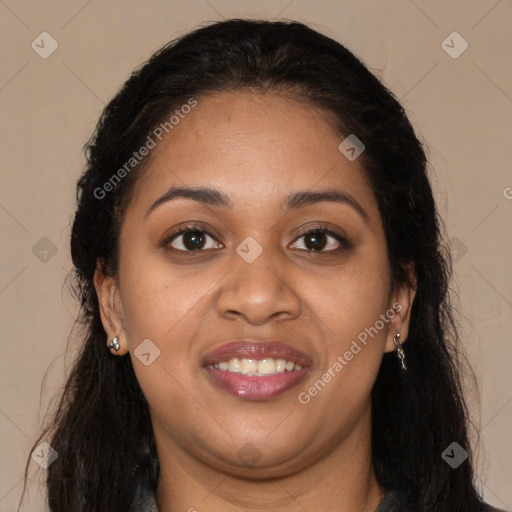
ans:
(259, 292)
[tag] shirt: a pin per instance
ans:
(146, 502)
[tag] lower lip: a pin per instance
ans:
(256, 388)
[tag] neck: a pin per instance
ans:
(344, 476)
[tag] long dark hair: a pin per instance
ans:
(101, 428)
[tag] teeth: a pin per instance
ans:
(248, 366)
(280, 365)
(234, 365)
(267, 366)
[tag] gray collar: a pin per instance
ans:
(146, 502)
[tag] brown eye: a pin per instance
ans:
(193, 239)
(317, 240)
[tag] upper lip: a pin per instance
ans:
(252, 349)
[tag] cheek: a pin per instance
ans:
(352, 312)
(354, 297)
(159, 298)
(165, 306)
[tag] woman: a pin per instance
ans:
(264, 286)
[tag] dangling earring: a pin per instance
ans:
(400, 350)
(114, 345)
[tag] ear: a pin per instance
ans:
(401, 303)
(111, 310)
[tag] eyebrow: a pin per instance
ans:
(293, 201)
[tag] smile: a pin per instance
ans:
(256, 370)
(253, 367)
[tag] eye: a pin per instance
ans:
(317, 239)
(194, 239)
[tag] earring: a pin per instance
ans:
(400, 350)
(114, 345)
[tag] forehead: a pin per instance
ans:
(256, 148)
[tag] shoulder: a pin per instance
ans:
(391, 503)
(144, 500)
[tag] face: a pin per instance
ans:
(245, 270)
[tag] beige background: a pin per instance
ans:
(462, 107)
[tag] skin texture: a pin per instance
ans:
(257, 149)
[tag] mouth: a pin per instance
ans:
(256, 370)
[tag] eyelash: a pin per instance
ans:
(318, 229)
